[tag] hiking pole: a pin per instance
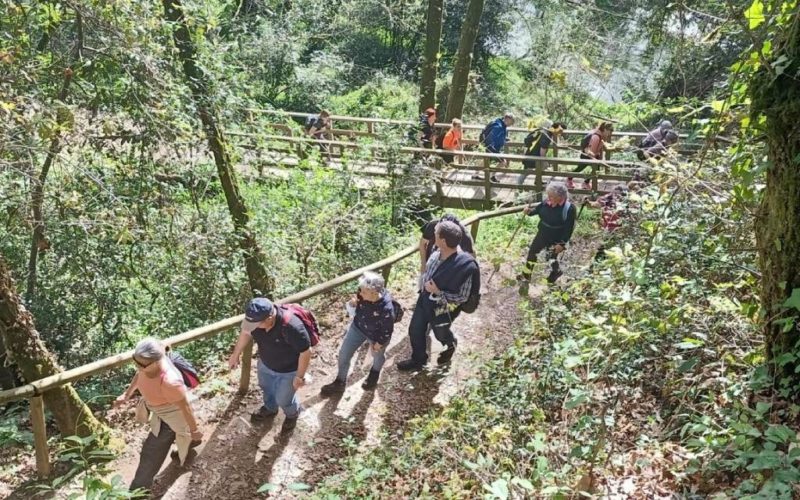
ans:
(513, 235)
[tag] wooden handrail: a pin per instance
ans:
(37, 387)
(409, 149)
(385, 121)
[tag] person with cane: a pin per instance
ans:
(557, 218)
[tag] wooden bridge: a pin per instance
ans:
(373, 150)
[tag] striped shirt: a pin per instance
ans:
(446, 300)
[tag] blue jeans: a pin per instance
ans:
(353, 339)
(278, 390)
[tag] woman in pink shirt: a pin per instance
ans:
(164, 405)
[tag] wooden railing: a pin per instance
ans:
(372, 122)
(296, 147)
(33, 391)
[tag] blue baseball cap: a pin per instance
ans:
(257, 310)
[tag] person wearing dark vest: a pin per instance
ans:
(447, 283)
(556, 223)
(284, 352)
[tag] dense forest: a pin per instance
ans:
(158, 171)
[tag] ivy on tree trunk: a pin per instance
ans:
(27, 351)
(776, 96)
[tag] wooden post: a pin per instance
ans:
(473, 229)
(385, 272)
(487, 184)
(247, 361)
(539, 176)
(40, 437)
(371, 128)
(594, 178)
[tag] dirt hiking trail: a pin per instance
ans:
(237, 457)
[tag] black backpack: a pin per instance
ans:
(474, 299)
(586, 140)
(398, 311)
(311, 120)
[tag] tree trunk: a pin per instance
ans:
(38, 241)
(26, 350)
(433, 37)
(469, 33)
(260, 281)
(777, 98)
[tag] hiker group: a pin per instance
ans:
(448, 285)
(541, 141)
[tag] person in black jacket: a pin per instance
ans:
(447, 283)
(374, 315)
(556, 223)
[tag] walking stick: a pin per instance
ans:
(513, 235)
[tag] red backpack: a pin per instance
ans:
(308, 319)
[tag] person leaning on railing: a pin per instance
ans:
(164, 405)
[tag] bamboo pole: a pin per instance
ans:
(40, 437)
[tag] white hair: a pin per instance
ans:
(150, 349)
(558, 189)
(372, 281)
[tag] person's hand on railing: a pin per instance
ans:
(121, 400)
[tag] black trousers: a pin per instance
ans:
(582, 167)
(541, 242)
(154, 450)
(424, 317)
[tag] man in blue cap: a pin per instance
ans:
(284, 354)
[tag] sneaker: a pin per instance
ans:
(262, 414)
(372, 380)
(409, 365)
(477, 177)
(446, 355)
(570, 183)
(494, 179)
(335, 387)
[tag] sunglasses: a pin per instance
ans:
(142, 365)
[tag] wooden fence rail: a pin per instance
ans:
(371, 122)
(33, 390)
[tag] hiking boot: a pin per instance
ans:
(554, 275)
(409, 365)
(372, 380)
(446, 355)
(570, 183)
(262, 414)
(290, 422)
(335, 387)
